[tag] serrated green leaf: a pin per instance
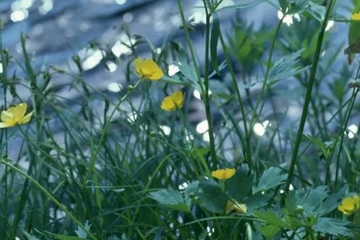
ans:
(311, 199)
(298, 6)
(212, 196)
(332, 226)
(239, 186)
(271, 178)
(244, 4)
(286, 67)
(271, 218)
(331, 202)
(80, 232)
(171, 199)
(190, 191)
(316, 10)
(269, 231)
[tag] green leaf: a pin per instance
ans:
(271, 178)
(171, 199)
(316, 10)
(269, 231)
(332, 226)
(190, 192)
(244, 4)
(283, 5)
(298, 6)
(271, 218)
(214, 37)
(286, 67)
(311, 200)
(212, 196)
(30, 237)
(331, 202)
(64, 237)
(80, 232)
(239, 186)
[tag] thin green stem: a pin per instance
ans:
(206, 93)
(305, 108)
(247, 145)
(204, 87)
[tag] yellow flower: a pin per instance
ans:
(148, 69)
(223, 174)
(355, 16)
(15, 115)
(173, 102)
(349, 205)
(233, 205)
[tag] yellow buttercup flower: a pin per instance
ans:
(223, 174)
(173, 102)
(349, 205)
(233, 205)
(355, 16)
(15, 116)
(148, 69)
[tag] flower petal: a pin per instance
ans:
(355, 16)
(26, 118)
(168, 104)
(138, 62)
(178, 98)
(6, 116)
(4, 125)
(18, 111)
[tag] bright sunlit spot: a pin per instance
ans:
(111, 66)
(183, 186)
(288, 20)
(329, 25)
(173, 69)
(131, 117)
(120, 2)
(46, 7)
(114, 87)
(291, 187)
(202, 127)
(19, 15)
(120, 47)
(197, 94)
(352, 130)
(210, 230)
(259, 128)
(91, 57)
(166, 130)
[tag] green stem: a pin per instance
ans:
(50, 196)
(308, 95)
(206, 93)
(204, 88)
(247, 144)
